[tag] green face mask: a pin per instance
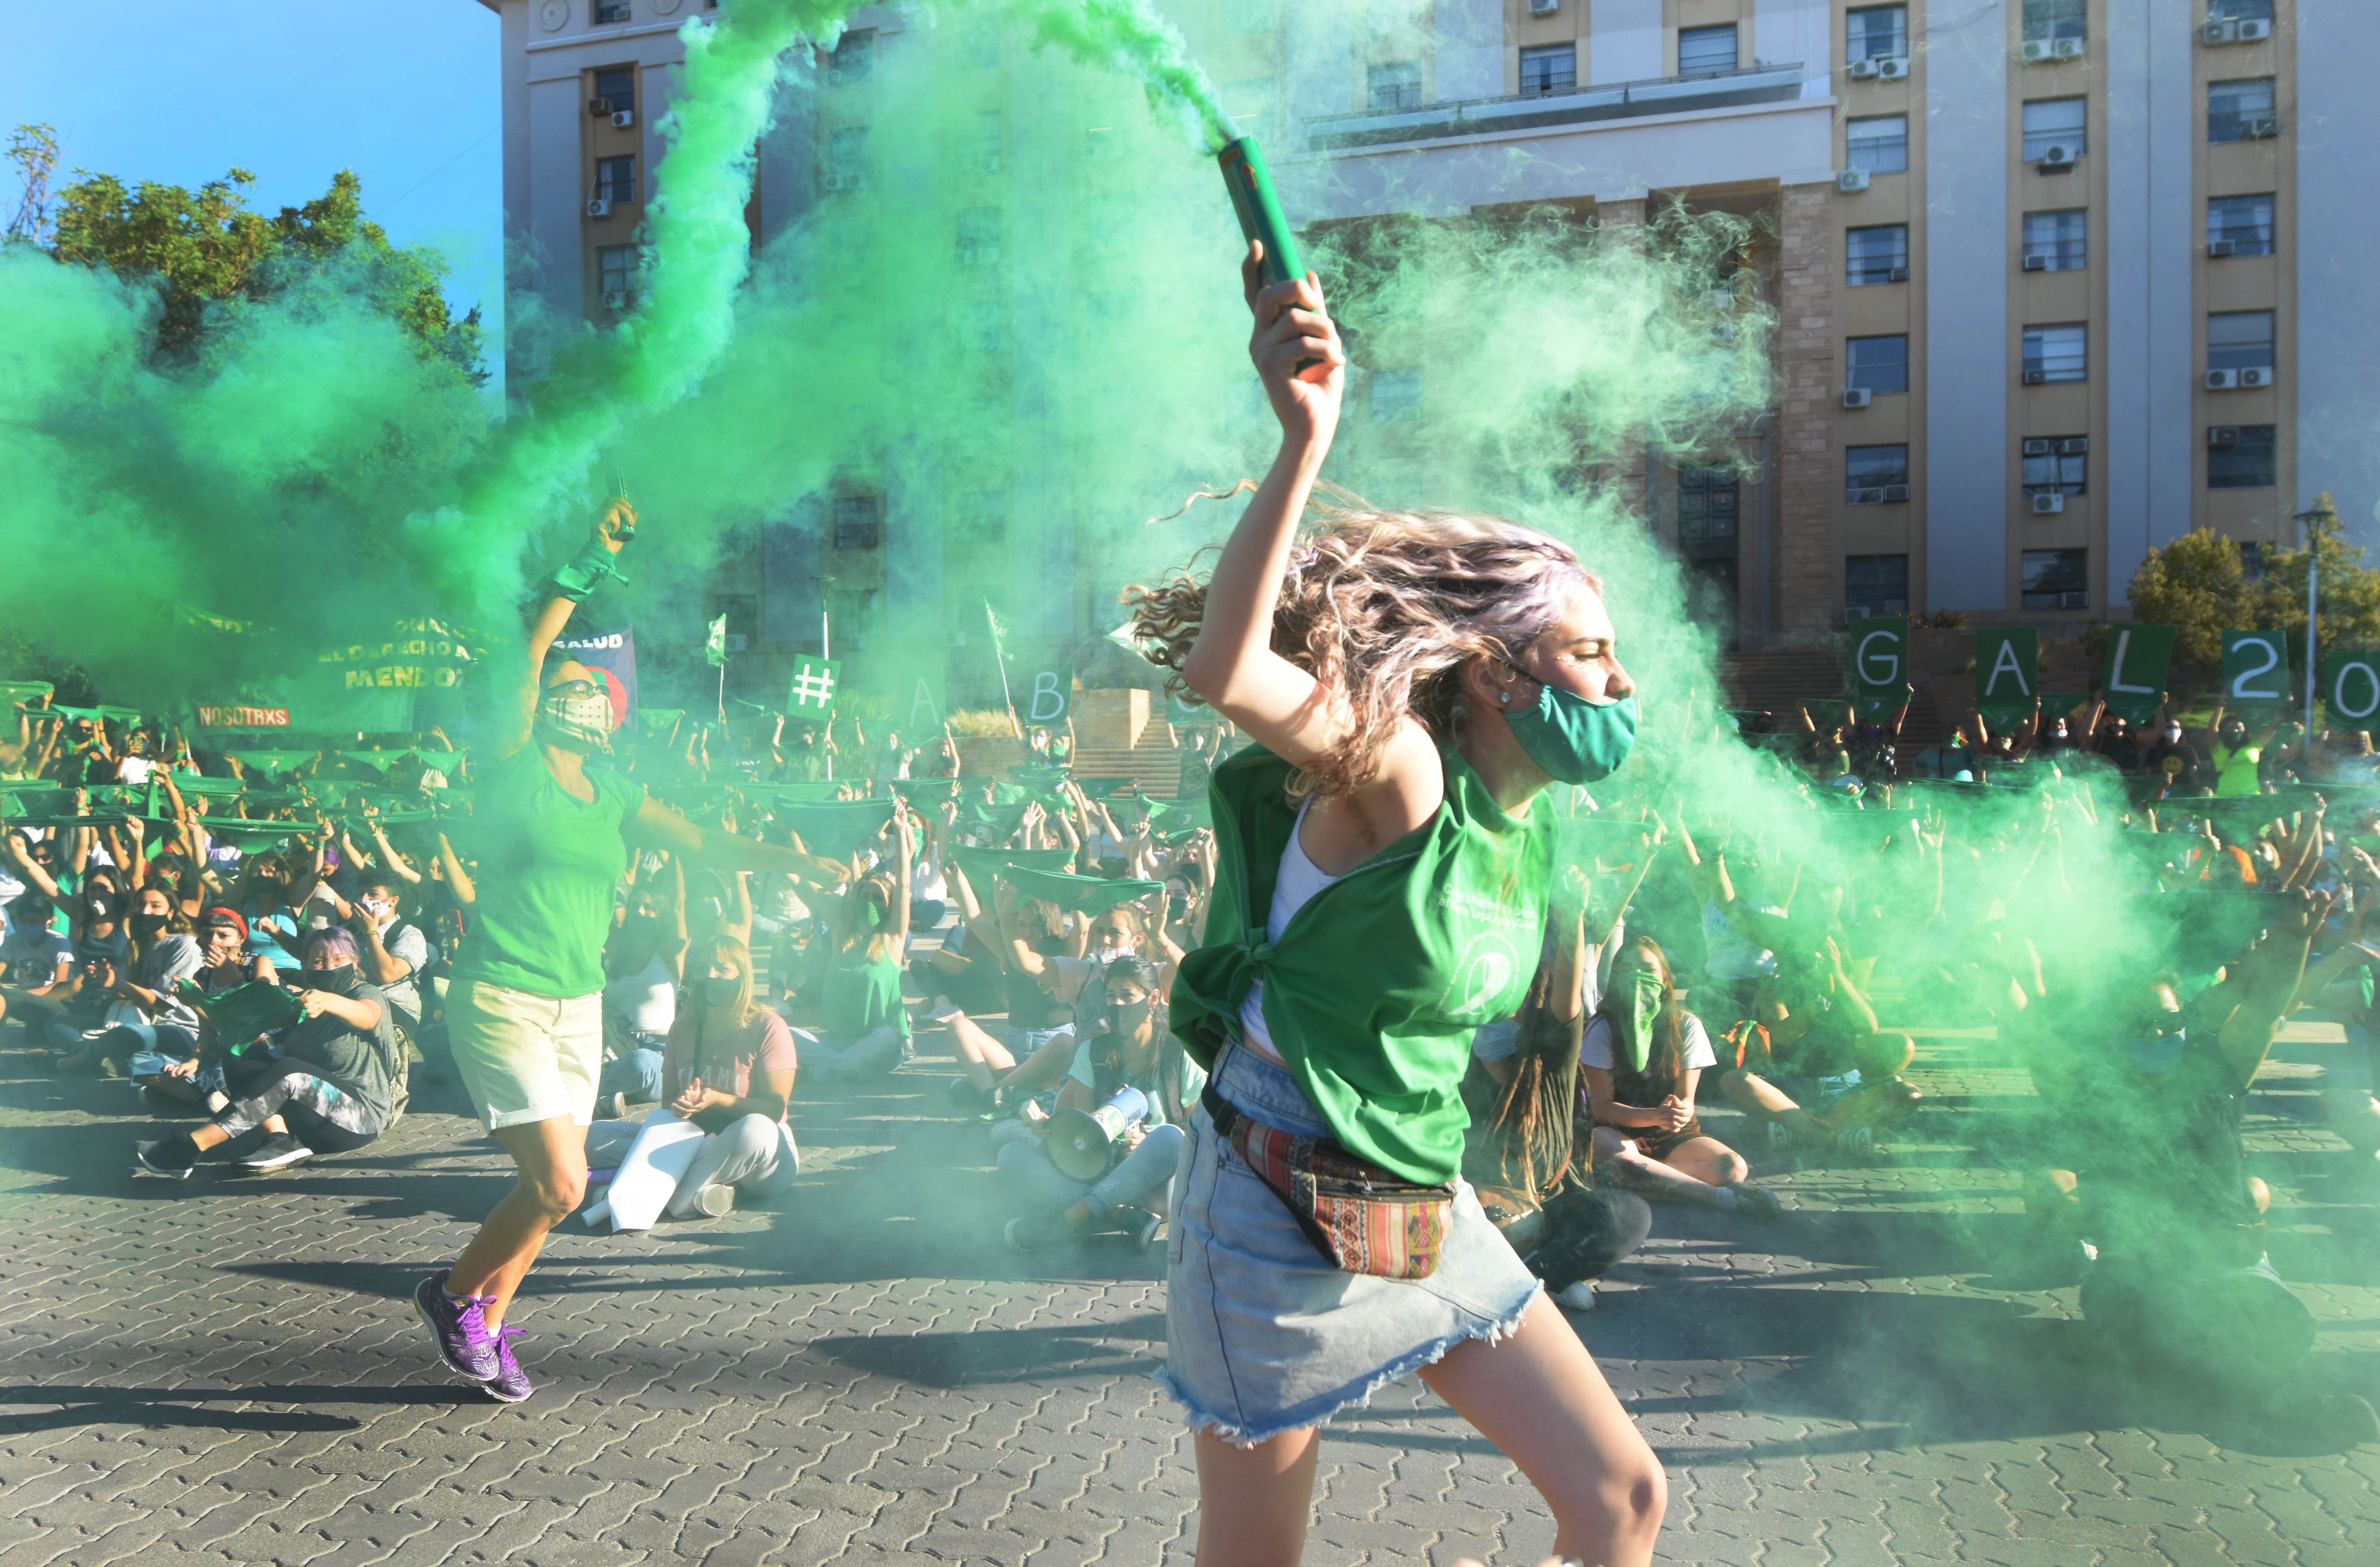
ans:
(1575, 741)
(1645, 998)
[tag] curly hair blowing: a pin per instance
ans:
(1385, 609)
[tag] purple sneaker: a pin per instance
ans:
(510, 1383)
(458, 1325)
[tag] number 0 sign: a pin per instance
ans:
(2351, 684)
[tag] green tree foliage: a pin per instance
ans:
(207, 247)
(2200, 585)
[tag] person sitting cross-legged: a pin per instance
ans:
(332, 1088)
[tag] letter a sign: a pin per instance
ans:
(2008, 673)
(1048, 698)
(1880, 662)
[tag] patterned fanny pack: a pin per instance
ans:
(1360, 1217)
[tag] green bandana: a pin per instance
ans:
(1645, 998)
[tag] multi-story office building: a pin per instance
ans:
(2055, 280)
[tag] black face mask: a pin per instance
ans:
(27, 915)
(339, 981)
(147, 926)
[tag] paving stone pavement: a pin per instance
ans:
(226, 1370)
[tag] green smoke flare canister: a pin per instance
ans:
(1260, 209)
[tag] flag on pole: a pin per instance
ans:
(716, 648)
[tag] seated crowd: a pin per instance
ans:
(271, 957)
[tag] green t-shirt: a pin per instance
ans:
(549, 862)
(860, 997)
(1378, 983)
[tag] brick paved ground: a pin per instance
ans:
(225, 1370)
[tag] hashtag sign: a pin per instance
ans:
(813, 687)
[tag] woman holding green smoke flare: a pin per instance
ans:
(524, 1014)
(1412, 683)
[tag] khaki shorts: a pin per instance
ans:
(525, 1057)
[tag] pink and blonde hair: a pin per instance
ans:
(1386, 609)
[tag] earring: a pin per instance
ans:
(1504, 699)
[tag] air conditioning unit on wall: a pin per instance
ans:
(1858, 398)
(621, 119)
(2255, 376)
(2066, 49)
(1892, 70)
(1851, 181)
(2057, 158)
(1862, 71)
(2222, 380)
(599, 207)
(2049, 505)
(2255, 32)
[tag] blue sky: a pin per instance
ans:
(403, 91)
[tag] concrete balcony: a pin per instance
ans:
(1562, 106)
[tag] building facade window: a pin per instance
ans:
(2238, 10)
(2056, 580)
(616, 179)
(2242, 456)
(2240, 340)
(1878, 145)
(1395, 397)
(2056, 121)
(2058, 241)
(979, 236)
(1705, 50)
(1876, 255)
(983, 516)
(1875, 585)
(1875, 476)
(853, 60)
(2048, 20)
(610, 11)
(2243, 222)
(1549, 68)
(1396, 85)
(1707, 501)
(617, 85)
(1878, 364)
(1878, 32)
(1248, 18)
(616, 275)
(858, 522)
(2242, 110)
(846, 158)
(2057, 465)
(2055, 354)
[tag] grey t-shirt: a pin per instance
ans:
(365, 1064)
(406, 944)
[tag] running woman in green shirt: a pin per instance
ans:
(1413, 683)
(524, 1010)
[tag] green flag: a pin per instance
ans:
(2351, 686)
(1000, 820)
(837, 828)
(982, 865)
(2008, 673)
(25, 692)
(1181, 815)
(379, 761)
(1880, 661)
(2133, 677)
(1048, 697)
(800, 792)
(812, 692)
(2256, 668)
(1085, 894)
(192, 784)
(274, 761)
(714, 648)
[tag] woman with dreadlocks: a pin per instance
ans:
(524, 1010)
(1412, 683)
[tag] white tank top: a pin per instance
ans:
(1299, 880)
(646, 1000)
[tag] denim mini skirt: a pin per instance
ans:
(1262, 1334)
